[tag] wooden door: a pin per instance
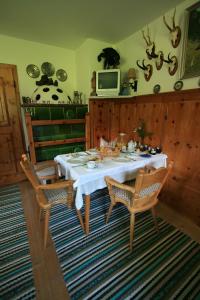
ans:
(11, 141)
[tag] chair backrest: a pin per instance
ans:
(28, 169)
(149, 184)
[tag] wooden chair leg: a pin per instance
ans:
(109, 212)
(46, 226)
(80, 219)
(153, 212)
(132, 223)
(40, 214)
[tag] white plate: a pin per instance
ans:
(92, 150)
(121, 159)
(74, 161)
(134, 157)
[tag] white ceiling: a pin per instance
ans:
(67, 23)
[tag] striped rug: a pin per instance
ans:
(16, 279)
(100, 266)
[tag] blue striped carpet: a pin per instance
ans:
(16, 279)
(100, 266)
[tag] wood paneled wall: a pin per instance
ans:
(174, 120)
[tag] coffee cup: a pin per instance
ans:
(91, 164)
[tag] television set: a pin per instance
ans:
(108, 82)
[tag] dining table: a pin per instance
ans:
(87, 180)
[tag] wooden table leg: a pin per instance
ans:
(87, 214)
(80, 218)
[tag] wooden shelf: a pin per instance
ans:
(59, 142)
(57, 122)
(52, 105)
(32, 124)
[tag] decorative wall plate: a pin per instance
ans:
(178, 85)
(48, 69)
(33, 71)
(156, 89)
(61, 74)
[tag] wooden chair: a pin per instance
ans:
(140, 197)
(48, 195)
(46, 170)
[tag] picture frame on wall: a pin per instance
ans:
(191, 44)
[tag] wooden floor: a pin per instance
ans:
(48, 278)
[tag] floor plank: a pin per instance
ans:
(48, 278)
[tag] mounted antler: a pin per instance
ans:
(148, 70)
(175, 31)
(150, 50)
(159, 60)
(173, 64)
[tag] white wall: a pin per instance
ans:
(86, 63)
(133, 49)
(81, 63)
(22, 53)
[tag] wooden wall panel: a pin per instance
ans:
(128, 119)
(100, 124)
(174, 120)
(153, 115)
(114, 121)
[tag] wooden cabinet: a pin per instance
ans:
(11, 136)
(55, 129)
(173, 118)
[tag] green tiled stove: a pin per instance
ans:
(55, 129)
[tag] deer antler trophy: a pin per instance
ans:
(150, 50)
(148, 70)
(172, 64)
(175, 31)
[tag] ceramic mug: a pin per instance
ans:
(91, 164)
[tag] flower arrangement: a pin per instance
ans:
(141, 131)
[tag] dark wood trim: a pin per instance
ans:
(53, 105)
(59, 142)
(59, 122)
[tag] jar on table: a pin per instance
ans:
(122, 140)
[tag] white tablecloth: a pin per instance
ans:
(89, 180)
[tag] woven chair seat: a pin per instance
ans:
(150, 189)
(46, 172)
(127, 196)
(56, 195)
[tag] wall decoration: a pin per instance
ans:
(156, 89)
(49, 94)
(150, 50)
(178, 85)
(175, 31)
(48, 69)
(61, 75)
(191, 47)
(33, 71)
(148, 69)
(172, 64)
(111, 58)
